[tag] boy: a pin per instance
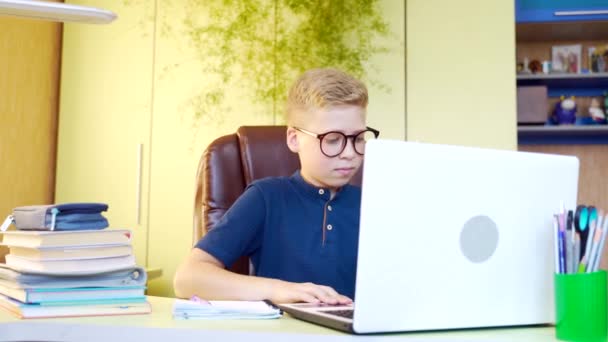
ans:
(301, 231)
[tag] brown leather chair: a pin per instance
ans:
(232, 162)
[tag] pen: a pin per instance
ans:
(197, 299)
(569, 223)
(577, 251)
(556, 248)
(592, 222)
(599, 224)
(272, 305)
(600, 251)
(582, 268)
(569, 244)
(594, 246)
(591, 217)
(562, 250)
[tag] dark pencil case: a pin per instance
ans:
(66, 216)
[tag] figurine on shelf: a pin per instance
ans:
(565, 111)
(596, 113)
(525, 67)
(535, 66)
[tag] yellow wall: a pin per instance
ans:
(177, 142)
(145, 73)
(460, 89)
(105, 110)
(386, 110)
(29, 77)
(461, 72)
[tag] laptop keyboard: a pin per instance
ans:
(348, 313)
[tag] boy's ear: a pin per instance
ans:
(292, 140)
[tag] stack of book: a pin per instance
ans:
(71, 273)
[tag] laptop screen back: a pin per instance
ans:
(457, 237)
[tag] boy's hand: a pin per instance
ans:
(286, 292)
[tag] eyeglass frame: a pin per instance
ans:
(346, 137)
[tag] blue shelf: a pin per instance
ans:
(554, 22)
(533, 16)
(563, 135)
(568, 84)
(560, 10)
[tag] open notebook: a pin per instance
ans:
(201, 309)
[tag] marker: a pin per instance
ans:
(581, 220)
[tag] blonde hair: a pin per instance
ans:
(324, 88)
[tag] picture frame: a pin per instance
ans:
(598, 59)
(566, 58)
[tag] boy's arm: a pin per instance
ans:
(203, 275)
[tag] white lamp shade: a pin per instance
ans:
(53, 11)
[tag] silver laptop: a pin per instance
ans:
(453, 237)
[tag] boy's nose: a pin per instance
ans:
(349, 150)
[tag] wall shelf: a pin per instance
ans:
(560, 10)
(563, 135)
(551, 77)
(561, 31)
(568, 84)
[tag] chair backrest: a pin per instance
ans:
(232, 162)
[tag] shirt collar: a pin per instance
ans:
(309, 189)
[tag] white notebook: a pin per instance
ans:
(82, 266)
(109, 308)
(65, 238)
(72, 252)
(219, 309)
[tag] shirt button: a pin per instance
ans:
(321, 191)
(329, 207)
(329, 227)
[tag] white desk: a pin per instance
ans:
(160, 326)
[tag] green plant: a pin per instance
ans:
(266, 44)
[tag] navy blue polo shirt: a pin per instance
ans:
(292, 231)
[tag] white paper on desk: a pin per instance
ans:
(220, 309)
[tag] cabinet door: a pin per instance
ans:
(104, 119)
(28, 112)
(560, 10)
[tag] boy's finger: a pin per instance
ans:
(344, 300)
(325, 296)
(330, 291)
(306, 297)
(319, 293)
(340, 298)
(324, 293)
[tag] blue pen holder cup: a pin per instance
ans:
(580, 307)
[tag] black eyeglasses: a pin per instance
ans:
(334, 142)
